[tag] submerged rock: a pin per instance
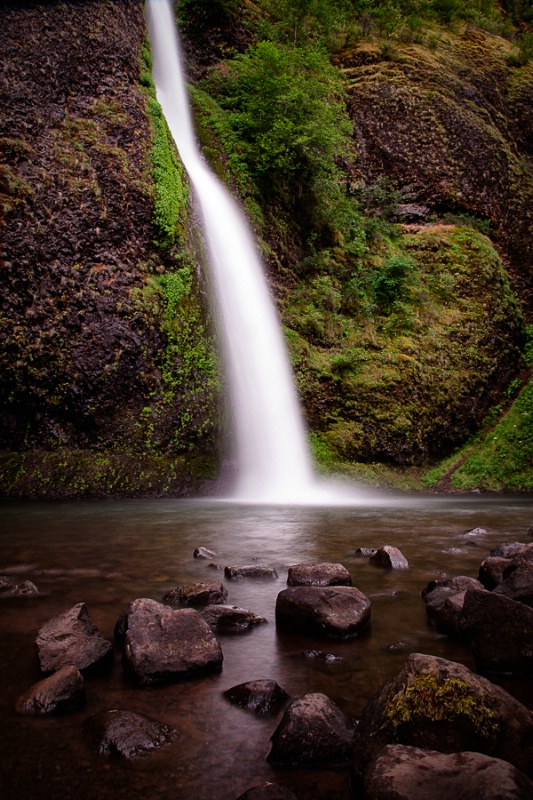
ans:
(61, 693)
(163, 644)
(72, 639)
(319, 575)
(441, 705)
(250, 571)
(313, 731)
(338, 612)
(390, 558)
(231, 619)
(198, 594)
(203, 552)
(411, 773)
(127, 734)
(257, 696)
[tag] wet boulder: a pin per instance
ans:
(270, 791)
(491, 571)
(441, 705)
(319, 575)
(72, 639)
(511, 549)
(235, 573)
(313, 731)
(127, 734)
(517, 580)
(444, 602)
(473, 533)
(61, 693)
(365, 552)
(203, 552)
(337, 612)
(390, 558)
(230, 619)
(257, 696)
(163, 644)
(500, 632)
(412, 773)
(197, 594)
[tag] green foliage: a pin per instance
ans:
(286, 109)
(504, 457)
(171, 189)
(448, 701)
(391, 282)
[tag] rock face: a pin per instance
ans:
(441, 705)
(314, 731)
(500, 631)
(61, 693)
(72, 639)
(410, 773)
(163, 644)
(257, 696)
(319, 575)
(127, 734)
(82, 332)
(340, 612)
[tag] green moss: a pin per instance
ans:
(450, 701)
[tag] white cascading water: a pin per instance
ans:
(272, 453)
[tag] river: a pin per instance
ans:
(106, 553)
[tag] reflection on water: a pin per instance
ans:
(107, 553)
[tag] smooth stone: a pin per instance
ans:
(61, 693)
(313, 731)
(324, 574)
(390, 558)
(258, 696)
(203, 552)
(72, 639)
(230, 619)
(235, 573)
(338, 612)
(127, 734)
(197, 594)
(412, 773)
(163, 644)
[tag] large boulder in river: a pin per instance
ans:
(313, 731)
(500, 631)
(336, 612)
(517, 579)
(389, 557)
(72, 639)
(319, 575)
(411, 773)
(126, 733)
(444, 601)
(441, 705)
(61, 693)
(163, 644)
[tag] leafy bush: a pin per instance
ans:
(391, 282)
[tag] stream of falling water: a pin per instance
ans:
(272, 453)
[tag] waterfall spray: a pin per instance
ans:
(272, 453)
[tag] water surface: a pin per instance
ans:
(108, 553)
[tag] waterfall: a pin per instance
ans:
(271, 449)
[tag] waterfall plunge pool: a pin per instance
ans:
(107, 553)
